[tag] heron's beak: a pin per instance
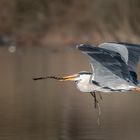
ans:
(69, 78)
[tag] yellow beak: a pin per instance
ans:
(69, 78)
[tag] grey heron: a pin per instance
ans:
(113, 66)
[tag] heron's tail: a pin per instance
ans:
(49, 77)
(137, 89)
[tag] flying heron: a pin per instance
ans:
(113, 66)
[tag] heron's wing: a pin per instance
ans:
(129, 52)
(133, 55)
(109, 68)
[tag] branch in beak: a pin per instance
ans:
(66, 78)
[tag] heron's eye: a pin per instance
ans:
(77, 81)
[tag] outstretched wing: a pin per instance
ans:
(110, 70)
(129, 52)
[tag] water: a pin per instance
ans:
(50, 110)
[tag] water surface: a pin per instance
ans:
(50, 110)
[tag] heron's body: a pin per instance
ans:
(114, 69)
(87, 83)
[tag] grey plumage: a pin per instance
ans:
(113, 63)
(133, 54)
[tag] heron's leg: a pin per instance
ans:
(95, 99)
(97, 105)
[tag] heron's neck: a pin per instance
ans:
(84, 80)
(85, 83)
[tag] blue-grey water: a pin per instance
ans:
(52, 110)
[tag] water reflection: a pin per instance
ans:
(52, 110)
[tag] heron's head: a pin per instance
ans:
(82, 75)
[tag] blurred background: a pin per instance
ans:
(68, 21)
(38, 38)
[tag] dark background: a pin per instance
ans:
(64, 22)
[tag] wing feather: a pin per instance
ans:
(130, 52)
(109, 68)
